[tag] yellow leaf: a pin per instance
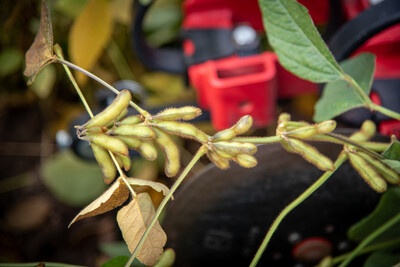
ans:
(40, 53)
(133, 220)
(89, 35)
(113, 197)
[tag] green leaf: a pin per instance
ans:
(387, 208)
(393, 151)
(10, 61)
(71, 180)
(382, 258)
(167, 259)
(119, 261)
(339, 96)
(44, 82)
(392, 156)
(296, 41)
(114, 249)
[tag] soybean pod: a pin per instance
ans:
(171, 153)
(112, 112)
(111, 143)
(105, 162)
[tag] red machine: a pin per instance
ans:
(225, 64)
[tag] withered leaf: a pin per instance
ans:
(159, 187)
(133, 220)
(40, 53)
(113, 197)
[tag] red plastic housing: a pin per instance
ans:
(234, 86)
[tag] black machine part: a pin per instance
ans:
(219, 218)
(165, 59)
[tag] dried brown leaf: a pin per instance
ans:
(159, 187)
(40, 53)
(133, 220)
(113, 197)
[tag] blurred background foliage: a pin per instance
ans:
(42, 185)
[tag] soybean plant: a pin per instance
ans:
(111, 134)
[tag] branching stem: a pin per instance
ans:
(105, 84)
(59, 54)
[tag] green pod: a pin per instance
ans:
(292, 125)
(367, 172)
(218, 161)
(224, 135)
(245, 160)
(111, 143)
(243, 125)
(105, 162)
(140, 131)
(235, 148)
(369, 128)
(366, 132)
(111, 113)
(284, 117)
(148, 150)
(171, 152)
(120, 116)
(183, 129)
(309, 153)
(303, 132)
(134, 119)
(94, 130)
(222, 154)
(326, 126)
(183, 113)
(124, 161)
(131, 142)
(388, 173)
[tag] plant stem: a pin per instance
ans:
(94, 77)
(364, 97)
(59, 54)
(202, 150)
(259, 140)
(370, 238)
(341, 158)
(340, 139)
(375, 146)
(67, 64)
(385, 111)
(367, 101)
(122, 174)
(384, 245)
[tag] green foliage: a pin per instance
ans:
(119, 261)
(340, 96)
(382, 258)
(297, 42)
(71, 180)
(10, 61)
(386, 209)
